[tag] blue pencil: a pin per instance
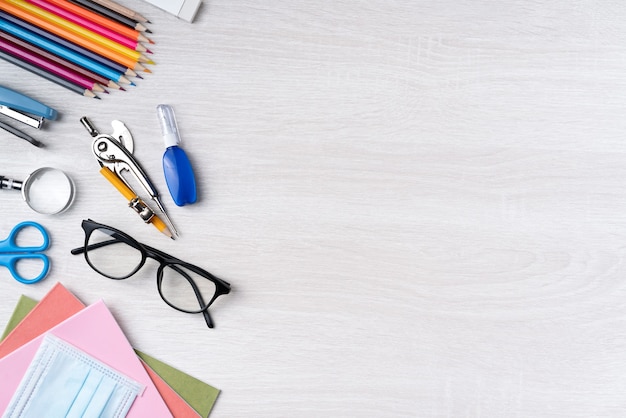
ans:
(62, 52)
(67, 44)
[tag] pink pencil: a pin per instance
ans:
(49, 66)
(87, 24)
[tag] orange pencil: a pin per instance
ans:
(52, 6)
(11, 7)
(77, 29)
(124, 30)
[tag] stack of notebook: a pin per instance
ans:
(167, 392)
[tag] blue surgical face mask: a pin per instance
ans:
(63, 381)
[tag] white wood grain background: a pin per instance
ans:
(420, 204)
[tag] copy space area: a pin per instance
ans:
(420, 205)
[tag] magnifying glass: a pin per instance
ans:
(46, 190)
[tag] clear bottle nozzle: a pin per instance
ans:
(169, 129)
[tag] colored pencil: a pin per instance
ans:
(102, 21)
(105, 62)
(49, 66)
(57, 59)
(88, 37)
(124, 11)
(60, 11)
(103, 11)
(62, 52)
(18, 9)
(48, 76)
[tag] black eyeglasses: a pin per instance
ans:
(183, 286)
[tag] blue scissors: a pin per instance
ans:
(11, 253)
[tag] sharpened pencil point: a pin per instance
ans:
(146, 70)
(148, 31)
(122, 88)
(149, 52)
(133, 84)
(150, 62)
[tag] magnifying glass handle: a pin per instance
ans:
(7, 183)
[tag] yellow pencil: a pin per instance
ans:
(135, 202)
(78, 30)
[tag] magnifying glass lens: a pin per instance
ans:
(48, 191)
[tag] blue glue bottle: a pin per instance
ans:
(176, 166)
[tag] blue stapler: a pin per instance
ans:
(23, 109)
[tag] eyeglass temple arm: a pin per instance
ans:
(164, 256)
(81, 250)
(168, 257)
(207, 318)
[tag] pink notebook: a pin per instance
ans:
(95, 331)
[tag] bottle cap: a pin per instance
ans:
(169, 129)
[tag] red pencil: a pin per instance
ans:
(49, 66)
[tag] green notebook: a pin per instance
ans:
(24, 306)
(199, 395)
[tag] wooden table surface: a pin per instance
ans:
(421, 205)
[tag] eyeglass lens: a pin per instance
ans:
(185, 289)
(110, 256)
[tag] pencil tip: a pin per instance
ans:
(151, 41)
(150, 62)
(146, 70)
(133, 84)
(149, 52)
(96, 97)
(122, 88)
(148, 30)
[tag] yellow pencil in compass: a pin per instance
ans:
(135, 202)
(115, 152)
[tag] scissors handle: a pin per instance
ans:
(9, 245)
(10, 261)
(11, 253)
